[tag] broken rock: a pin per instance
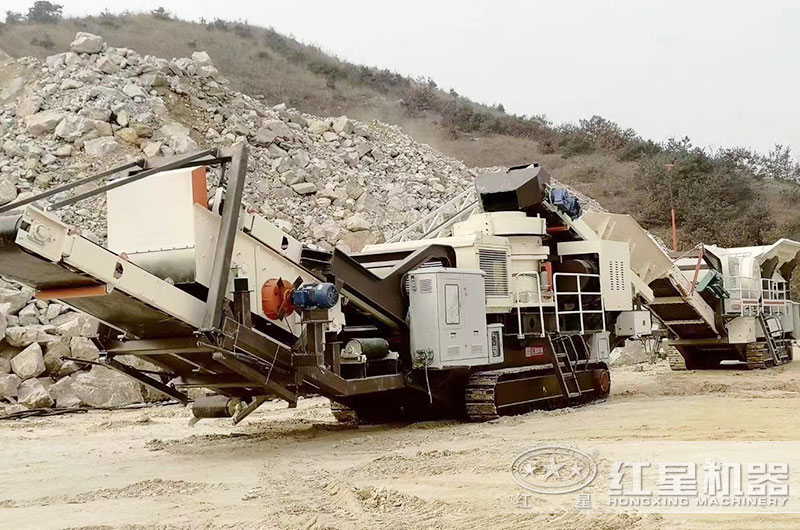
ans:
(101, 387)
(43, 122)
(29, 362)
(33, 394)
(83, 348)
(100, 146)
(87, 43)
(64, 394)
(304, 188)
(9, 384)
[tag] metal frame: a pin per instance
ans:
(580, 294)
(535, 275)
(227, 235)
(439, 220)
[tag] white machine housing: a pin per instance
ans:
(615, 263)
(634, 323)
(506, 246)
(447, 319)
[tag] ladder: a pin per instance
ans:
(562, 350)
(774, 337)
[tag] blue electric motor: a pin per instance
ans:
(315, 296)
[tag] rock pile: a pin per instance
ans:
(326, 180)
(40, 353)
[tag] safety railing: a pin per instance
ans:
(582, 300)
(771, 298)
(535, 276)
(774, 296)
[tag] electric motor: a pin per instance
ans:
(315, 296)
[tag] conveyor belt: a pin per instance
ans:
(29, 269)
(116, 308)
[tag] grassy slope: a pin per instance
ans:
(261, 61)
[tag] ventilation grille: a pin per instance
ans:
(477, 349)
(495, 264)
(453, 352)
(616, 275)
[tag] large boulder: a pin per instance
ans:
(9, 384)
(75, 325)
(101, 387)
(64, 394)
(74, 127)
(29, 362)
(177, 137)
(100, 147)
(16, 298)
(202, 58)
(342, 125)
(87, 43)
(83, 348)
(22, 336)
(34, 395)
(43, 122)
(280, 129)
(8, 191)
(54, 358)
(28, 316)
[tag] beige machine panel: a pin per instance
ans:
(614, 257)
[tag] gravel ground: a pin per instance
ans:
(147, 469)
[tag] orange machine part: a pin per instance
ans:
(199, 191)
(276, 298)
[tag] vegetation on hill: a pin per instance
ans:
(726, 196)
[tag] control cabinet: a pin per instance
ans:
(447, 313)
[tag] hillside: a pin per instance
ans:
(730, 197)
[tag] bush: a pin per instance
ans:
(44, 12)
(161, 14)
(218, 24)
(243, 29)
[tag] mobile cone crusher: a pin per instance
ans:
(516, 308)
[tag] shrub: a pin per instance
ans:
(161, 14)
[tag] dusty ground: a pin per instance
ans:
(147, 469)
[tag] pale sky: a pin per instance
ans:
(725, 73)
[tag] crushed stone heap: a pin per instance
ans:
(325, 180)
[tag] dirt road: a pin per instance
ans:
(147, 469)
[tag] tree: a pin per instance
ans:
(12, 17)
(161, 13)
(45, 12)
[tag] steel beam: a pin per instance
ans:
(251, 407)
(218, 283)
(144, 379)
(70, 185)
(127, 180)
(254, 375)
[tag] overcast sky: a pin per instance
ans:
(725, 73)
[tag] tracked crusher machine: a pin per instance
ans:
(511, 301)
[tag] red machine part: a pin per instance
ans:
(276, 298)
